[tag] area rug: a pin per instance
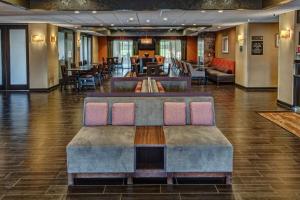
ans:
(288, 120)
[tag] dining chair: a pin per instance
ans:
(66, 79)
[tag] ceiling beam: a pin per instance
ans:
(274, 3)
(18, 3)
(109, 5)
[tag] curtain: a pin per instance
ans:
(170, 49)
(135, 47)
(157, 47)
(183, 49)
(110, 48)
(123, 49)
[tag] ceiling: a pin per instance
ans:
(122, 20)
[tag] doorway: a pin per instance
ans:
(14, 72)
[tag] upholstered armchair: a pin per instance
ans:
(197, 73)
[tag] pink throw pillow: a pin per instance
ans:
(123, 114)
(201, 113)
(96, 114)
(174, 113)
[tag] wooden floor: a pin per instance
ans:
(35, 129)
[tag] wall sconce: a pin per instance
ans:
(241, 39)
(37, 38)
(53, 39)
(285, 34)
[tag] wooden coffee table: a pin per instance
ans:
(150, 152)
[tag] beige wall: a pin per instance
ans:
(231, 33)
(38, 67)
(256, 71)
(53, 63)
(43, 57)
(241, 60)
(95, 50)
(263, 69)
(286, 58)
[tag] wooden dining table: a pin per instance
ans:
(79, 71)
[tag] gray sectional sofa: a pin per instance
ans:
(171, 84)
(109, 151)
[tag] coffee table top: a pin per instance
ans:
(149, 136)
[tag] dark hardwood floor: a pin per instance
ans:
(35, 129)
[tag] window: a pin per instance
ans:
(200, 48)
(225, 46)
(86, 49)
(170, 48)
(66, 47)
(123, 49)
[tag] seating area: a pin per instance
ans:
(221, 71)
(106, 146)
(159, 100)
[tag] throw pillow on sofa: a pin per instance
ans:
(123, 114)
(174, 113)
(201, 113)
(96, 114)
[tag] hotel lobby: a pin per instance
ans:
(138, 100)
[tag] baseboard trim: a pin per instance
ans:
(257, 89)
(44, 89)
(284, 104)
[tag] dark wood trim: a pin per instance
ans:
(44, 89)
(152, 173)
(257, 89)
(284, 104)
(5, 30)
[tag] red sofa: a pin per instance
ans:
(221, 70)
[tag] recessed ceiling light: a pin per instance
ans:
(101, 24)
(220, 11)
(219, 27)
(165, 19)
(171, 29)
(194, 24)
(94, 12)
(76, 12)
(76, 27)
(249, 20)
(203, 11)
(148, 20)
(182, 24)
(131, 19)
(112, 24)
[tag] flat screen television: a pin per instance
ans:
(143, 46)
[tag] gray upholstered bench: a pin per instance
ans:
(101, 151)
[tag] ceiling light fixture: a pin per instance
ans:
(148, 20)
(131, 19)
(220, 11)
(182, 24)
(76, 12)
(203, 11)
(165, 19)
(219, 27)
(94, 12)
(112, 24)
(249, 20)
(194, 24)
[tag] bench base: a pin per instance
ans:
(154, 173)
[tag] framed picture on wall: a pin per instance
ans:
(257, 48)
(225, 44)
(277, 38)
